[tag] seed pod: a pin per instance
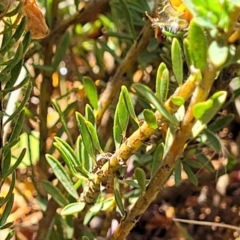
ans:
(36, 23)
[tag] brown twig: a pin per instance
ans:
(206, 223)
(182, 135)
(132, 144)
(46, 220)
(115, 83)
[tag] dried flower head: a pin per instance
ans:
(172, 17)
(36, 23)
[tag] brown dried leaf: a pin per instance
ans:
(36, 23)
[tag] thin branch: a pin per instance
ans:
(46, 220)
(115, 83)
(205, 223)
(132, 144)
(157, 183)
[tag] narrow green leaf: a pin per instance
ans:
(90, 114)
(218, 100)
(85, 238)
(6, 225)
(157, 159)
(44, 68)
(147, 93)
(169, 138)
(177, 61)
(127, 17)
(22, 104)
(86, 137)
(213, 140)
(164, 85)
(98, 51)
(63, 121)
(129, 105)
(15, 60)
(15, 71)
(162, 82)
(191, 175)
(86, 160)
(192, 163)
(7, 210)
(14, 88)
(121, 119)
(187, 52)
(73, 208)
(177, 173)
(221, 122)
(198, 45)
(26, 41)
(15, 165)
(62, 176)
(93, 133)
(10, 191)
(55, 193)
(96, 208)
(6, 161)
(7, 42)
(119, 202)
(117, 132)
(70, 158)
(107, 203)
(10, 234)
(140, 176)
(20, 29)
(122, 114)
(205, 161)
(83, 157)
(61, 50)
(4, 77)
(218, 53)
(150, 118)
(9, 145)
(132, 183)
(14, 11)
(18, 126)
(91, 91)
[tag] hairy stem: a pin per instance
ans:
(182, 135)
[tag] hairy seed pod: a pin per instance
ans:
(36, 23)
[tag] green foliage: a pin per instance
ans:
(177, 61)
(151, 98)
(115, 109)
(12, 53)
(162, 82)
(121, 120)
(91, 91)
(61, 174)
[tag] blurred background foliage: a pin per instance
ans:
(71, 81)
